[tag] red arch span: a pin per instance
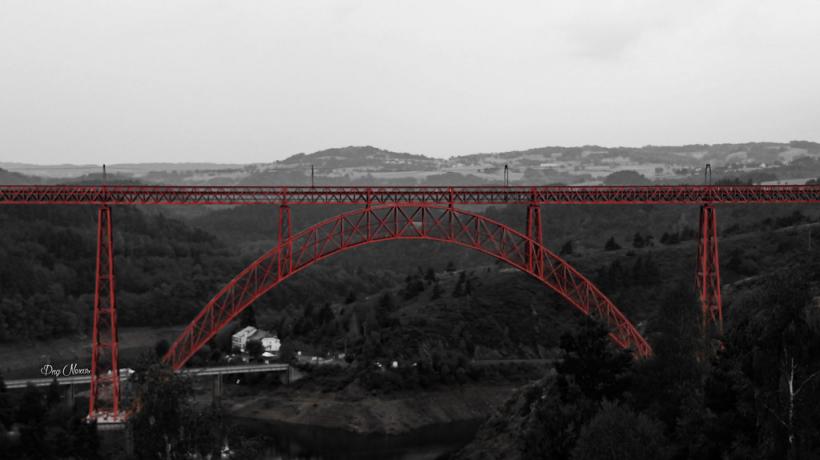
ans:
(397, 222)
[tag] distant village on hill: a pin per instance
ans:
(759, 162)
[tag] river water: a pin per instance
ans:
(299, 442)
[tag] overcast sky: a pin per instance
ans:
(250, 81)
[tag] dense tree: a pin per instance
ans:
(645, 272)
(430, 276)
(776, 351)
(626, 177)
(255, 348)
(590, 371)
(413, 287)
(742, 262)
(325, 315)
(161, 347)
(84, 442)
(618, 433)
(247, 317)
(688, 233)
(47, 427)
(437, 291)
(31, 415)
(638, 241)
(592, 364)
(386, 302)
(32, 409)
(614, 277)
(6, 409)
(287, 352)
(167, 425)
(157, 426)
(53, 394)
(670, 238)
(671, 379)
(611, 244)
(759, 396)
(458, 291)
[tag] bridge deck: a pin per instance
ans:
(236, 195)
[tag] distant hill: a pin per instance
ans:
(363, 157)
(137, 170)
(11, 178)
(752, 162)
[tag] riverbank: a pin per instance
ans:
(274, 440)
(365, 414)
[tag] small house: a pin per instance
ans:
(239, 341)
(271, 344)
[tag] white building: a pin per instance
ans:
(240, 340)
(271, 344)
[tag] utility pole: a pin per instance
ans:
(506, 175)
(312, 184)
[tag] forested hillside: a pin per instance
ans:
(164, 269)
(755, 396)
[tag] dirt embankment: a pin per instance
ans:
(393, 414)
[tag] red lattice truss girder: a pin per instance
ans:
(190, 195)
(396, 222)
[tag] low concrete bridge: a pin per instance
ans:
(71, 382)
(194, 372)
